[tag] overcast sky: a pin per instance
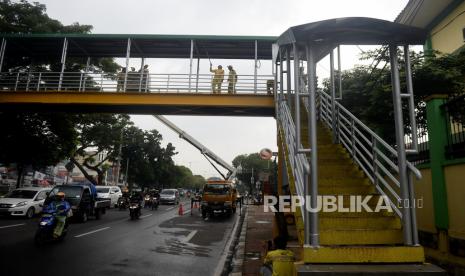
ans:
(226, 136)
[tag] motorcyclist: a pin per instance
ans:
(60, 208)
(136, 198)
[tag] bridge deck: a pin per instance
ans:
(140, 103)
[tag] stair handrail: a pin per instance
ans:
(298, 162)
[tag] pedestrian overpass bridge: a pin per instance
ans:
(323, 148)
(87, 88)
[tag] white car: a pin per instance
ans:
(111, 192)
(24, 201)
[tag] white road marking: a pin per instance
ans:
(91, 232)
(190, 236)
(171, 208)
(13, 225)
(146, 216)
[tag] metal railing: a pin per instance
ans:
(299, 164)
(134, 82)
(455, 119)
(373, 155)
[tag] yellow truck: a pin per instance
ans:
(219, 196)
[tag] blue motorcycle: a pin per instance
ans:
(47, 225)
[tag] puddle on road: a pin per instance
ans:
(206, 235)
(176, 247)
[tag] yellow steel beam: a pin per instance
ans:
(171, 103)
(191, 99)
(365, 254)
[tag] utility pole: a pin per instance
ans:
(118, 168)
(126, 173)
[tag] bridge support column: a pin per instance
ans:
(190, 64)
(2, 53)
(255, 68)
(63, 61)
(312, 236)
(142, 63)
(128, 54)
(402, 160)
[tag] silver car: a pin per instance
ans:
(169, 196)
(24, 202)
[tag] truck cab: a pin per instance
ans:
(218, 196)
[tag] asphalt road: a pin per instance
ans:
(160, 243)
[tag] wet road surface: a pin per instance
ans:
(160, 243)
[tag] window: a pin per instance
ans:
(219, 189)
(42, 195)
(103, 190)
(22, 194)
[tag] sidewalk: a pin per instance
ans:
(259, 230)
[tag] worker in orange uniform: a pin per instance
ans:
(279, 262)
(217, 79)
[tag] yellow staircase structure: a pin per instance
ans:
(349, 237)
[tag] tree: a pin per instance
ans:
(148, 160)
(368, 95)
(98, 134)
(252, 165)
(46, 138)
(38, 140)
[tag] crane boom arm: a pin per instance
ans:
(204, 150)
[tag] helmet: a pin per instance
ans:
(61, 194)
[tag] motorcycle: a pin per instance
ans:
(155, 202)
(134, 210)
(123, 203)
(148, 201)
(47, 225)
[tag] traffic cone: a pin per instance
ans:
(180, 211)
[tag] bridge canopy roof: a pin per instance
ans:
(142, 45)
(353, 31)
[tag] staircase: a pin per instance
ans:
(349, 237)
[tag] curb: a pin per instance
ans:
(224, 265)
(235, 267)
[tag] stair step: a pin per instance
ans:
(363, 214)
(370, 269)
(352, 223)
(364, 254)
(361, 237)
(335, 180)
(325, 172)
(336, 167)
(346, 190)
(346, 201)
